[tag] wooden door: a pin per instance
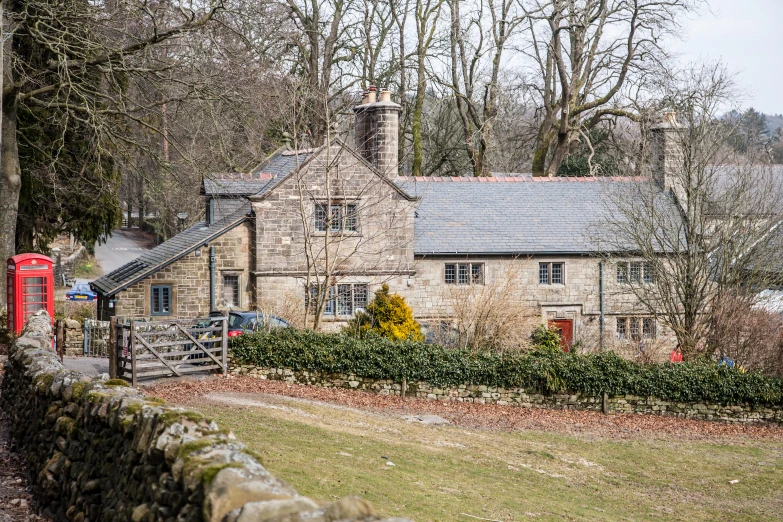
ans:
(564, 327)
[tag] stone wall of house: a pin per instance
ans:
(379, 251)
(577, 299)
(189, 278)
(284, 296)
(381, 246)
(521, 397)
(100, 450)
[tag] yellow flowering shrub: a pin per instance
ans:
(388, 315)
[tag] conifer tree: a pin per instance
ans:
(388, 315)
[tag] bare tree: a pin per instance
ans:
(586, 54)
(491, 315)
(76, 62)
(481, 34)
(349, 227)
(327, 37)
(426, 15)
(742, 329)
(703, 224)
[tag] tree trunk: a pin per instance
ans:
(540, 154)
(9, 190)
(418, 108)
(11, 178)
(141, 201)
(561, 151)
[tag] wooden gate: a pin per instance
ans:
(147, 349)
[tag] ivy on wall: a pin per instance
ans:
(543, 371)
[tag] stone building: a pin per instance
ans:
(337, 219)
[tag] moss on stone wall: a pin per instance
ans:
(101, 450)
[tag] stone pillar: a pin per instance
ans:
(377, 131)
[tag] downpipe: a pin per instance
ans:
(602, 324)
(211, 279)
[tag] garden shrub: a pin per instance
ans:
(387, 315)
(546, 339)
(541, 370)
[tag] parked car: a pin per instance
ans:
(81, 291)
(238, 323)
(241, 322)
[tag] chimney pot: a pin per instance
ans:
(371, 95)
(385, 95)
(669, 117)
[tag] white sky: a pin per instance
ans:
(747, 36)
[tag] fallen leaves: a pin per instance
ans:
(479, 416)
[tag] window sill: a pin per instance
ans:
(337, 234)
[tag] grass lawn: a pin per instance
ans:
(442, 473)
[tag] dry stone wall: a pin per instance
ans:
(521, 397)
(99, 450)
(73, 337)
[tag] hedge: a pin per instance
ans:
(538, 371)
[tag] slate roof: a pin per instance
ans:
(748, 182)
(236, 184)
(283, 161)
(510, 215)
(260, 179)
(167, 252)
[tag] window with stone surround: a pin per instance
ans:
(551, 273)
(636, 328)
(342, 300)
(635, 272)
(337, 217)
(464, 274)
(231, 290)
(160, 300)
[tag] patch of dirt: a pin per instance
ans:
(478, 416)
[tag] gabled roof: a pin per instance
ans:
(262, 177)
(283, 161)
(235, 184)
(167, 252)
(312, 153)
(516, 215)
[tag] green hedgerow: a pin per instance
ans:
(547, 371)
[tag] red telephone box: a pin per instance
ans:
(30, 279)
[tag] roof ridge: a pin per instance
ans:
(296, 152)
(236, 176)
(528, 178)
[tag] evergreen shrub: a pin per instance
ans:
(542, 370)
(387, 315)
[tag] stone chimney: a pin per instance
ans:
(377, 127)
(666, 155)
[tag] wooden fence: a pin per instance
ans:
(167, 348)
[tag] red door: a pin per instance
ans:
(565, 328)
